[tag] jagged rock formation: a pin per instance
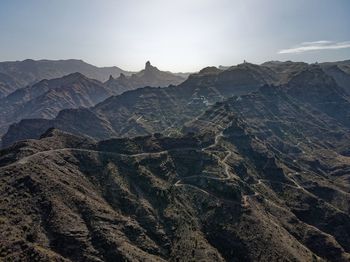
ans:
(150, 76)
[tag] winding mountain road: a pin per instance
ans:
(181, 182)
(228, 173)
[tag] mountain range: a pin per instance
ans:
(20, 74)
(29, 72)
(148, 110)
(242, 163)
(47, 97)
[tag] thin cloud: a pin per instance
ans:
(317, 45)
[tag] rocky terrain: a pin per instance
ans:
(339, 71)
(149, 110)
(47, 97)
(246, 163)
(232, 192)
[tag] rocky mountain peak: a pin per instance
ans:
(150, 68)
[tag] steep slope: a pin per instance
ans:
(7, 85)
(314, 87)
(119, 85)
(147, 110)
(217, 196)
(343, 65)
(340, 76)
(310, 148)
(29, 71)
(46, 98)
(285, 70)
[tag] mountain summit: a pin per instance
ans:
(148, 65)
(149, 68)
(149, 76)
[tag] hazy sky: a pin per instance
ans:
(181, 35)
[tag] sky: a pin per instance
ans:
(181, 35)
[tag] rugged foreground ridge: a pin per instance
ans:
(245, 188)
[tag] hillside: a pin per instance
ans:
(232, 165)
(46, 98)
(228, 193)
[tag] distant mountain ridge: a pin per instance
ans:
(47, 97)
(148, 110)
(28, 72)
(340, 70)
(19, 74)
